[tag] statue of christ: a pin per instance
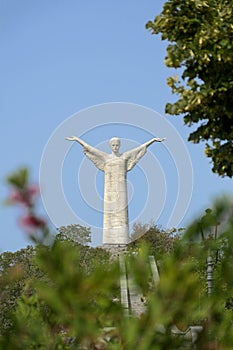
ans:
(115, 167)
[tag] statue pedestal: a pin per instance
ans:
(115, 249)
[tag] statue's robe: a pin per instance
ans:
(116, 221)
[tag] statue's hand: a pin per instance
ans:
(71, 138)
(157, 139)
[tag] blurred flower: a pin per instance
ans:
(33, 190)
(24, 195)
(30, 222)
(15, 197)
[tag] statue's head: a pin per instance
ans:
(115, 144)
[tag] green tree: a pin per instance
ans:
(159, 241)
(16, 269)
(139, 229)
(75, 233)
(200, 33)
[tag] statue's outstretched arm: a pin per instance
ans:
(134, 155)
(95, 155)
(155, 139)
(77, 139)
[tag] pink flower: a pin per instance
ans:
(31, 222)
(33, 190)
(24, 197)
(16, 197)
(20, 197)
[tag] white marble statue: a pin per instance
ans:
(115, 167)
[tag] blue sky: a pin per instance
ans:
(60, 57)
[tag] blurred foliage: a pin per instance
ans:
(200, 34)
(19, 178)
(19, 271)
(71, 297)
(66, 295)
(70, 306)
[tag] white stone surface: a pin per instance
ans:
(115, 167)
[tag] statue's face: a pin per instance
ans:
(115, 145)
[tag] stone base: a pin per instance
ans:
(115, 249)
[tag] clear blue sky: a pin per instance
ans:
(59, 57)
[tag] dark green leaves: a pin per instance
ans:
(19, 178)
(201, 43)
